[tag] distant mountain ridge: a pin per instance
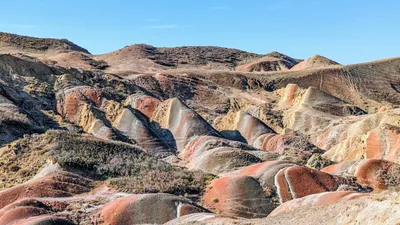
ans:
(144, 58)
(136, 57)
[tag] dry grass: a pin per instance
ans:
(390, 176)
(125, 167)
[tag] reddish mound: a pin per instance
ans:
(379, 174)
(262, 141)
(238, 196)
(295, 147)
(278, 143)
(68, 104)
(146, 209)
(383, 144)
(31, 211)
(53, 185)
(296, 182)
(144, 103)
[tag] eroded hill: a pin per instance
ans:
(171, 135)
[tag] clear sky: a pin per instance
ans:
(348, 31)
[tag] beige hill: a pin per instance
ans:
(315, 61)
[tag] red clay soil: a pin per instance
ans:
(384, 145)
(55, 185)
(289, 95)
(262, 141)
(145, 209)
(238, 196)
(146, 104)
(283, 189)
(370, 173)
(31, 211)
(254, 169)
(376, 173)
(73, 97)
(303, 181)
(194, 148)
(275, 143)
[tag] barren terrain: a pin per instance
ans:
(194, 135)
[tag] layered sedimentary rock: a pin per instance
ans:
(144, 103)
(376, 173)
(182, 122)
(374, 136)
(68, 105)
(201, 144)
(249, 127)
(223, 160)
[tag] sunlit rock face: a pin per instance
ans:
(249, 127)
(145, 104)
(183, 122)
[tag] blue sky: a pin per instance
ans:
(348, 31)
